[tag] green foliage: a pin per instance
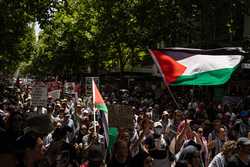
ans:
(65, 42)
(110, 34)
(16, 30)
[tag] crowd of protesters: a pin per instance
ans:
(197, 133)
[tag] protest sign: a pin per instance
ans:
(39, 94)
(120, 116)
(55, 94)
(69, 88)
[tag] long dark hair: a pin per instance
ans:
(28, 140)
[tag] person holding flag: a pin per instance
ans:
(99, 104)
(94, 140)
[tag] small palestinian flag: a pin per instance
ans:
(101, 106)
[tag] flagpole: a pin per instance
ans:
(166, 83)
(171, 94)
(94, 109)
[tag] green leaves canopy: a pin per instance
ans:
(106, 35)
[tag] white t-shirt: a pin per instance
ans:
(218, 161)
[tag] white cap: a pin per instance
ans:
(156, 124)
(165, 113)
(228, 114)
(85, 111)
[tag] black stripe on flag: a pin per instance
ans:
(105, 128)
(182, 53)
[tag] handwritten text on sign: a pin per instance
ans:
(39, 94)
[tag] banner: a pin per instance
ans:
(39, 94)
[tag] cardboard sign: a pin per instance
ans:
(88, 85)
(39, 94)
(120, 116)
(69, 88)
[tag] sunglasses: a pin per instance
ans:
(200, 131)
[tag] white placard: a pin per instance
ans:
(69, 88)
(39, 94)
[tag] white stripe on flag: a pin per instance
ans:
(204, 63)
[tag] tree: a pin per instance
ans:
(16, 22)
(106, 35)
(66, 43)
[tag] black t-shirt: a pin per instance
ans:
(235, 161)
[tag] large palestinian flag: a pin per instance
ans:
(101, 106)
(182, 66)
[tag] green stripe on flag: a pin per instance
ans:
(102, 107)
(215, 77)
